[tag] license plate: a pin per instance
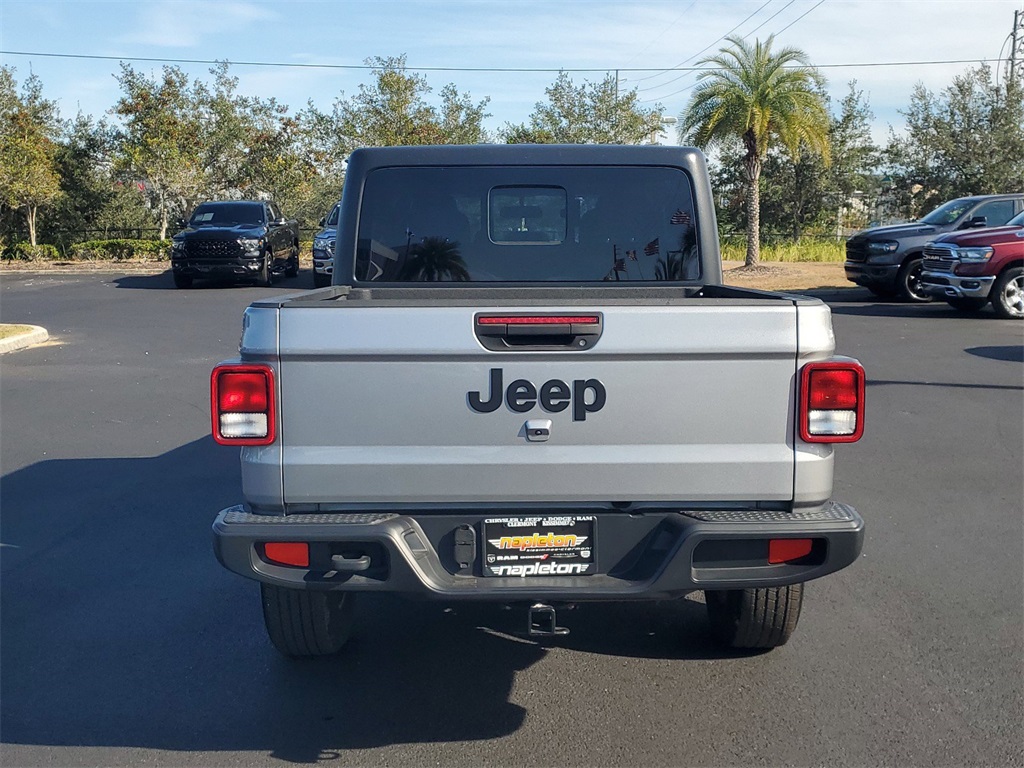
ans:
(540, 546)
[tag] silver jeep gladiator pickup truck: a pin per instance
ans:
(527, 384)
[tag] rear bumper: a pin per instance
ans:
(655, 555)
(867, 274)
(946, 285)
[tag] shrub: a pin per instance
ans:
(28, 252)
(806, 250)
(119, 250)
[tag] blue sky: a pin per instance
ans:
(571, 34)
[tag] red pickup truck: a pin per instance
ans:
(970, 269)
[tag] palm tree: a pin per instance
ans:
(436, 258)
(761, 98)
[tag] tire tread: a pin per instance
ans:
(303, 623)
(755, 618)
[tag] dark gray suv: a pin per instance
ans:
(887, 260)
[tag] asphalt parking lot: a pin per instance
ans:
(124, 642)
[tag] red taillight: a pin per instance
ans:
(240, 392)
(242, 404)
(787, 550)
(287, 553)
(830, 389)
(832, 402)
(540, 320)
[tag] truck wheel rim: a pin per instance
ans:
(1013, 296)
(914, 283)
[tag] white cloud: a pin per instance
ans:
(188, 23)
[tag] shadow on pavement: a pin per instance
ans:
(120, 629)
(1011, 354)
(668, 629)
(944, 384)
(163, 281)
(931, 310)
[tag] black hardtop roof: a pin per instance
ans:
(525, 154)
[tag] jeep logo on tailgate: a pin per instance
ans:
(554, 396)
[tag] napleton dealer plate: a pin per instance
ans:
(540, 546)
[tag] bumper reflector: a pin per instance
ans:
(786, 550)
(287, 553)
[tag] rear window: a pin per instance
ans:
(527, 224)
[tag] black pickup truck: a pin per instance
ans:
(237, 239)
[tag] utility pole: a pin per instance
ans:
(1017, 46)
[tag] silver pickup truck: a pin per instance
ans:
(527, 384)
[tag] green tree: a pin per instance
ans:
(856, 159)
(92, 203)
(762, 98)
(802, 194)
(164, 140)
(523, 134)
(84, 180)
(590, 113)
(967, 140)
(252, 147)
(393, 110)
(28, 127)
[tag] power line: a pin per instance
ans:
(660, 35)
(298, 65)
(867, 65)
(748, 34)
(698, 53)
(794, 21)
(770, 18)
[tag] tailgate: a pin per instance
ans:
(376, 409)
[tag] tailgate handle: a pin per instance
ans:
(506, 333)
(344, 564)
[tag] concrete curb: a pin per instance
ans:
(36, 336)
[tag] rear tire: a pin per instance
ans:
(303, 623)
(967, 305)
(1008, 294)
(909, 282)
(754, 618)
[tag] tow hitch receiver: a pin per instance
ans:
(541, 622)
